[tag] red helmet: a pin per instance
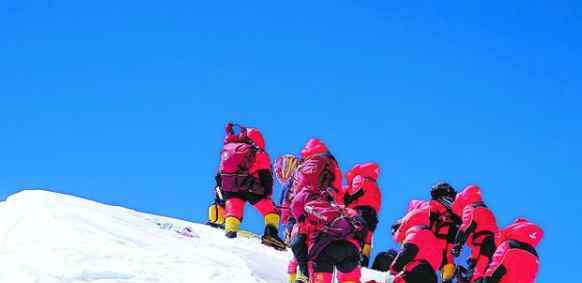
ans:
(524, 231)
(368, 169)
(520, 220)
(416, 217)
(312, 147)
(256, 136)
(415, 203)
(471, 194)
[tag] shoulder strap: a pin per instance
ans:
(478, 205)
(514, 244)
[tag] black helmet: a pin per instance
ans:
(442, 190)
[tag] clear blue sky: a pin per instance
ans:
(124, 102)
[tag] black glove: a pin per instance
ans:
(456, 251)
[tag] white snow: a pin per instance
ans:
(48, 237)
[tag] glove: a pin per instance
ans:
(456, 251)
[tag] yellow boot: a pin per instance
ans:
(366, 250)
(292, 277)
(272, 219)
(231, 226)
(271, 234)
(216, 216)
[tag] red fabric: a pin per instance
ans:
(285, 212)
(234, 207)
(318, 212)
(415, 203)
(298, 203)
(313, 147)
(480, 265)
(467, 205)
(353, 276)
(521, 230)
(265, 206)
(321, 277)
(484, 220)
(262, 160)
(325, 277)
(364, 177)
(309, 173)
(471, 194)
(427, 245)
(521, 266)
(414, 229)
(446, 221)
(369, 238)
(415, 217)
(257, 138)
(292, 267)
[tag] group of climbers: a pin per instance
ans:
(330, 227)
(433, 232)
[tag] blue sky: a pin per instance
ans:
(125, 103)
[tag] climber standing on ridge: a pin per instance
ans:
(419, 257)
(332, 233)
(444, 224)
(319, 171)
(363, 195)
(515, 259)
(285, 166)
(245, 175)
(478, 230)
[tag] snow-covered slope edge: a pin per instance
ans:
(49, 237)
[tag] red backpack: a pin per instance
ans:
(237, 158)
(339, 223)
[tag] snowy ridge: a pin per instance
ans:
(48, 237)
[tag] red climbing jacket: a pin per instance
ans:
(419, 245)
(318, 171)
(516, 260)
(323, 221)
(478, 228)
(243, 157)
(478, 220)
(362, 187)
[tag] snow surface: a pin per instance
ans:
(48, 237)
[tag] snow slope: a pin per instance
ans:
(47, 237)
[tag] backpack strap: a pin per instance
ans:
(514, 244)
(478, 205)
(327, 176)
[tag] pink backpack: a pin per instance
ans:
(339, 224)
(237, 158)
